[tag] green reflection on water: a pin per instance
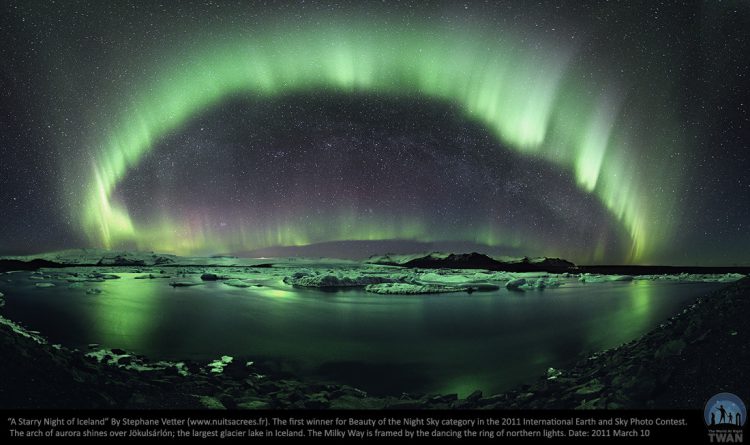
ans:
(127, 311)
(448, 343)
(625, 319)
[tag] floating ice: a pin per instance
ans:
(339, 278)
(515, 284)
(237, 283)
(410, 289)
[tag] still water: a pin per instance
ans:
(383, 344)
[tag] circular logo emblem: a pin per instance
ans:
(725, 410)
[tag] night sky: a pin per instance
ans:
(601, 132)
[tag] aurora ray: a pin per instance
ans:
(531, 97)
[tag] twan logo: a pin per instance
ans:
(725, 416)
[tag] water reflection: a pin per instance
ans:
(126, 311)
(426, 343)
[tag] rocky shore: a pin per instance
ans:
(699, 352)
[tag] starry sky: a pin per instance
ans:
(601, 132)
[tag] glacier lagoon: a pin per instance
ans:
(452, 342)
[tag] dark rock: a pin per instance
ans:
(209, 402)
(268, 387)
(349, 402)
(671, 348)
(209, 277)
(250, 382)
(665, 376)
(463, 404)
(192, 367)
(316, 387)
(252, 404)
(347, 391)
(228, 401)
(702, 337)
(316, 403)
(299, 404)
(553, 373)
(406, 404)
(138, 399)
(643, 386)
(291, 396)
(237, 369)
(161, 382)
(598, 403)
(171, 370)
(475, 396)
(447, 398)
(492, 400)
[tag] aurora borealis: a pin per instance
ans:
(589, 132)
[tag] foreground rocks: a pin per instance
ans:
(36, 374)
(702, 351)
(689, 358)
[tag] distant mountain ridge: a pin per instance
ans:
(92, 257)
(98, 257)
(473, 260)
(102, 257)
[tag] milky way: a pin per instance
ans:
(310, 169)
(228, 128)
(526, 95)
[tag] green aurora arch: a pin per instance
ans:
(534, 99)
